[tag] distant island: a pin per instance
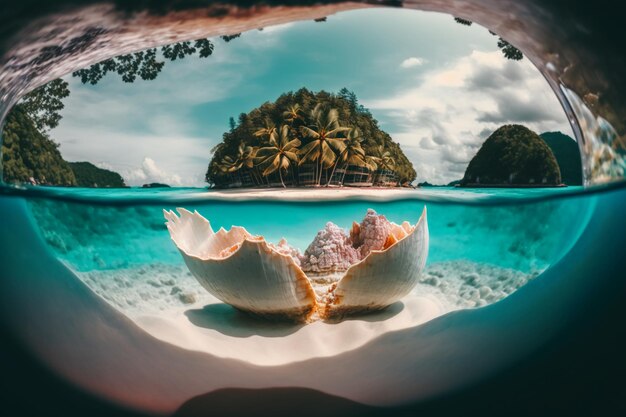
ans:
(513, 156)
(450, 184)
(31, 157)
(155, 185)
(567, 154)
(90, 176)
(308, 139)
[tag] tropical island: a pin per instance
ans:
(513, 156)
(567, 154)
(90, 176)
(30, 156)
(306, 138)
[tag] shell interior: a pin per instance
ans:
(374, 265)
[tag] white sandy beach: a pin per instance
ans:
(169, 304)
(224, 332)
(315, 193)
(299, 194)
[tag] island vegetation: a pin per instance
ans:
(90, 176)
(30, 156)
(304, 138)
(512, 156)
(155, 185)
(308, 138)
(567, 154)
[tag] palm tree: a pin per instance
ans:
(383, 158)
(266, 130)
(229, 165)
(352, 152)
(292, 113)
(247, 155)
(325, 139)
(371, 162)
(280, 154)
(354, 156)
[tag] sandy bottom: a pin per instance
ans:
(169, 304)
(222, 331)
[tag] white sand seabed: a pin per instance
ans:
(169, 304)
(229, 334)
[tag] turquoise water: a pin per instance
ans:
(527, 236)
(484, 243)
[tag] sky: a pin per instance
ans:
(437, 87)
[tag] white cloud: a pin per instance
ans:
(128, 127)
(182, 160)
(149, 172)
(412, 62)
(442, 122)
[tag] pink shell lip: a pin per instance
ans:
(225, 253)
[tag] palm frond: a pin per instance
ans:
(308, 132)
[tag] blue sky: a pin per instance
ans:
(439, 88)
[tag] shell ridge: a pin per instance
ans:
(277, 285)
(366, 272)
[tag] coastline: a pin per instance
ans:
(313, 193)
(475, 185)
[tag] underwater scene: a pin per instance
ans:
(481, 249)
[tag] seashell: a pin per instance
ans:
(383, 276)
(240, 269)
(377, 264)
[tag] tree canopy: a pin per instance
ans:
(567, 154)
(44, 104)
(144, 64)
(90, 176)
(40, 111)
(27, 153)
(31, 156)
(513, 155)
(509, 51)
(324, 123)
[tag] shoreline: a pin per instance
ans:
(187, 195)
(312, 193)
(475, 185)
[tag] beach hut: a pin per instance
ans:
(357, 176)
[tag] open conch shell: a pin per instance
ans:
(376, 265)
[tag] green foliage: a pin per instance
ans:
(28, 153)
(514, 155)
(509, 51)
(44, 103)
(464, 22)
(90, 176)
(295, 109)
(228, 38)
(567, 154)
(143, 64)
(280, 154)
